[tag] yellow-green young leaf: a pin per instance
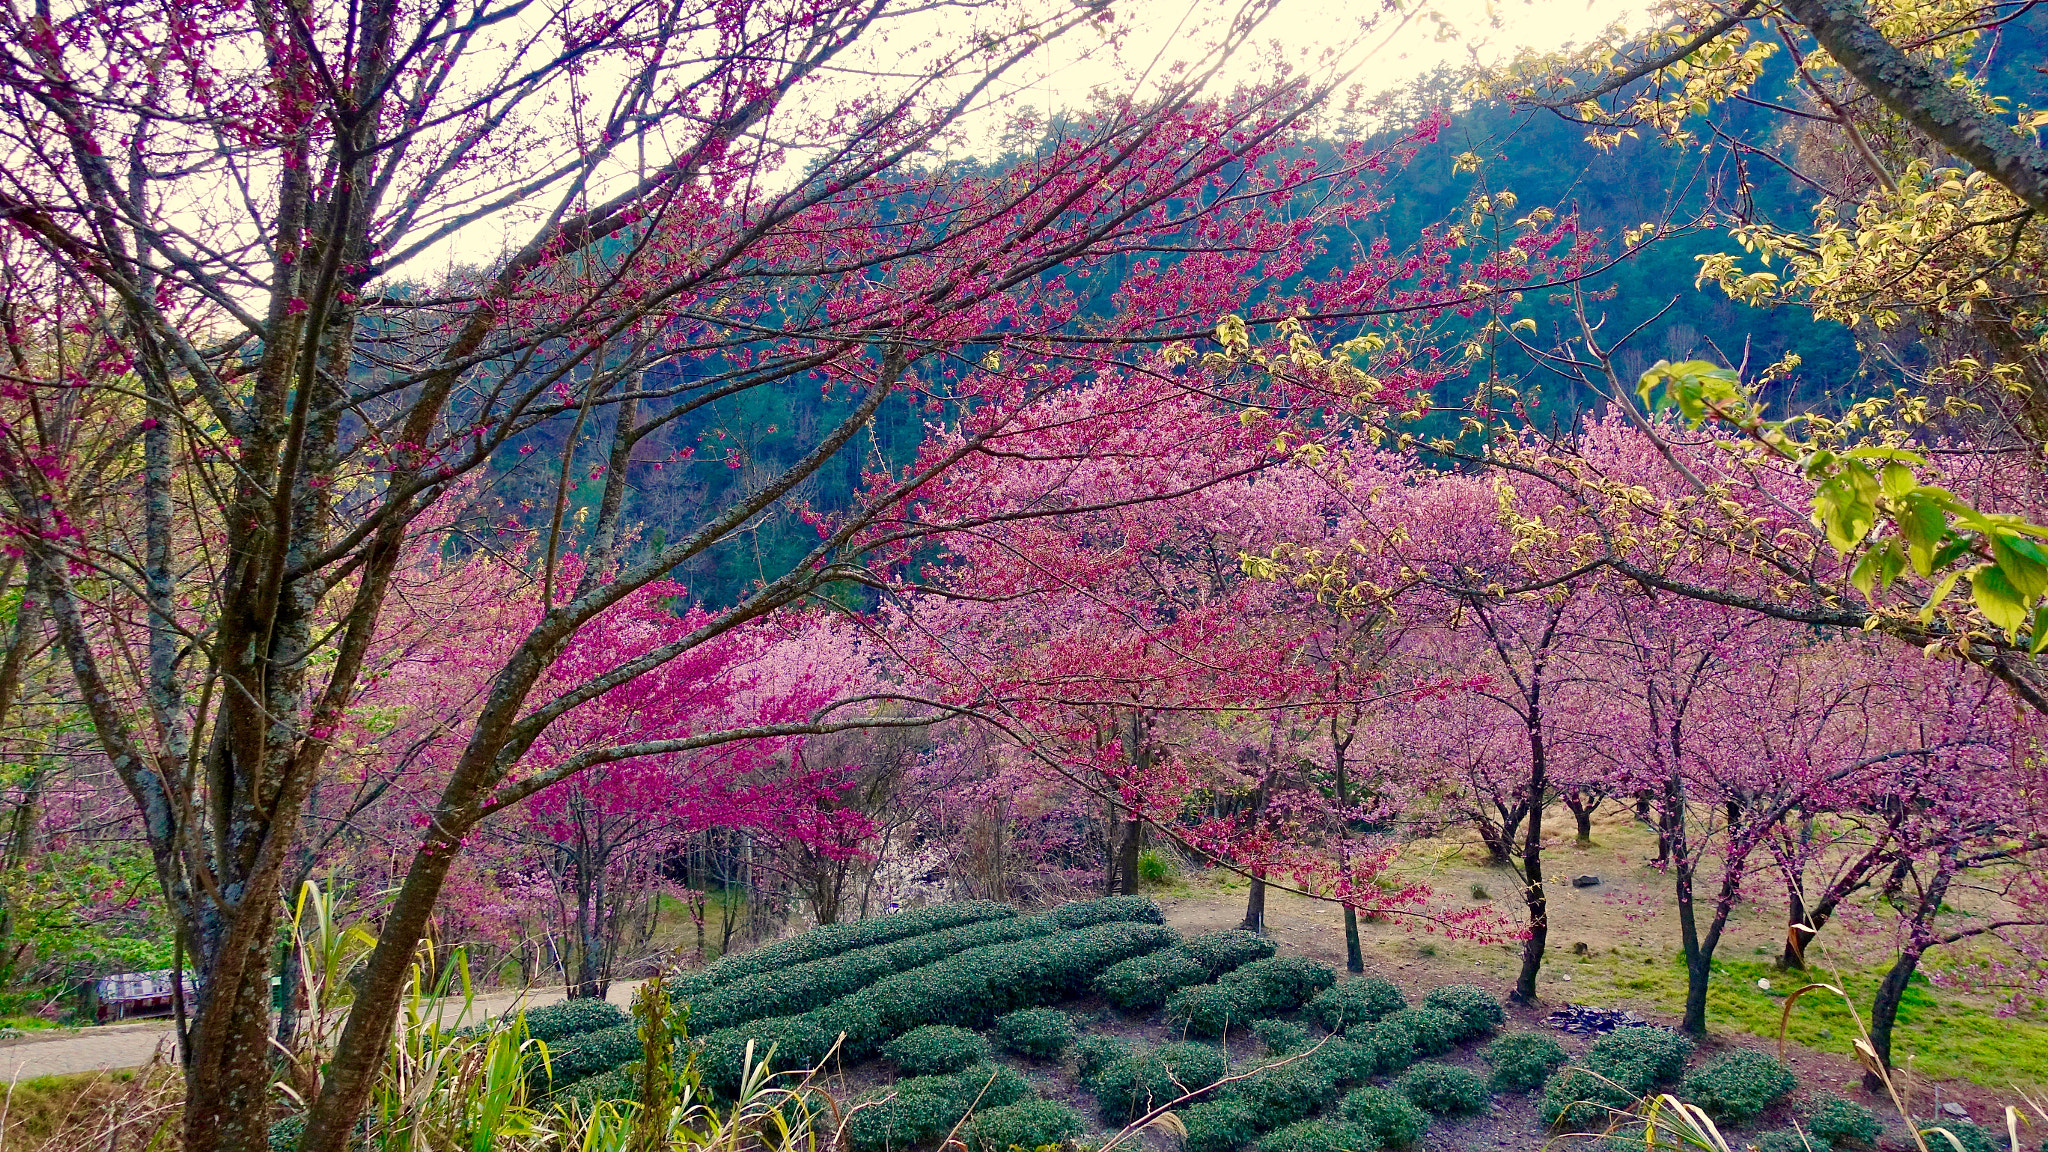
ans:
(1899, 455)
(1941, 592)
(2022, 564)
(1998, 599)
(2040, 625)
(1890, 562)
(1864, 575)
(1897, 480)
(1844, 507)
(1921, 522)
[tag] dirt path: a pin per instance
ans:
(134, 1044)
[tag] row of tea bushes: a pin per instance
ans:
(1285, 1093)
(1629, 1063)
(1260, 988)
(1144, 983)
(833, 939)
(802, 987)
(1006, 1113)
(968, 990)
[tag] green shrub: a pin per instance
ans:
(558, 1022)
(1154, 867)
(1095, 1053)
(1739, 1086)
(1227, 950)
(1639, 1058)
(1145, 982)
(1039, 1033)
(1385, 1114)
(936, 1049)
(991, 1084)
(582, 1056)
(1344, 1061)
(881, 1121)
(1219, 1126)
(1321, 1136)
(286, 1133)
(1444, 1090)
(621, 1083)
(1579, 1100)
(1135, 1085)
(1840, 1121)
(1285, 1092)
(1356, 1003)
(1477, 1012)
(1281, 983)
(786, 1042)
(974, 987)
(1211, 1009)
(1409, 1035)
(832, 939)
(1109, 910)
(803, 987)
(1279, 1037)
(1970, 1136)
(1026, 1124)
(1792, 1140)
(1522, 1061)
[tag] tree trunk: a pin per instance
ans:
(1884, 1011)
(1255, 905)
(1799, 929)
(1583, 814)
(1539, 906)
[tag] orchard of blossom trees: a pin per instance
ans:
(816, 483)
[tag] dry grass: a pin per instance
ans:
(132, 1110)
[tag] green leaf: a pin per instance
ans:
(1922, 523)
(1898, 480)
(1845, 506)
(1863, 577)
(2040, 631)
(1941, 591)
(1896, 454)
(1996, 597)
(2028, 573)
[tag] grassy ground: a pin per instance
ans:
(1617, 945)
(102, 1111)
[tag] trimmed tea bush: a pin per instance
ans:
(1145, 983)
(1522, 1061)
(1444, 1090)
(1409, 1035)
(1840, 1121)
(1972, 1137)
(1578, 1100)
(922, 1108)
(1108, 910)
(1476, 1012)
(1346, 1062)
(1219, 1126)
(617, 1084)
(1135, 1085)
(803, 987)
(832, 939)
(973, 988)
(558, 1022)
(1039, 1033)
(966, 990)
(1027, 1124)
(582, 1056)
(1385, 1114)
(1282, 983)
(1094, 1053)
(936, 1049)
(1356, 1004)
(1211, 1009)
(796, 1042)
(1792, 1140)
(1321, 1136)
(1738, 1086)
(1279, 1037)
(1286, 1092)
(1228, 950)
(1639, 1057)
